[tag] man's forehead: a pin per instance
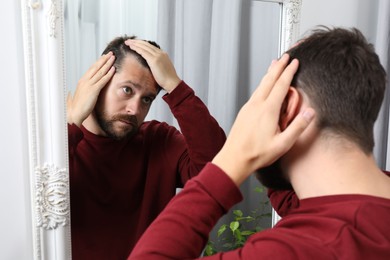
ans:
(133, 71)
(135, 59)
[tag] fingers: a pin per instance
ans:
(159, 62)
(288, 137)
(101, 81)
(103, 69)
(144, 48)
(98, 65)
(278, 92)
(69, 100)
(275, 84)
(88, 89)
(269, 80)
(276, 96)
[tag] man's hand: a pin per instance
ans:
(80, 106)
(161, 66)
(255, 140)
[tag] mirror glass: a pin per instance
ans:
(219, 49)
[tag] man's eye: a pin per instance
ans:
(147, 100)
(127, 90)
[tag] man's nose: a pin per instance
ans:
(133, 106)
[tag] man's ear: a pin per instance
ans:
(290, 108)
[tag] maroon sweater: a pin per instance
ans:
(119, 187)
(283, 201)
(329, 227)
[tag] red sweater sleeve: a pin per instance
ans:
(202, 133)
(75, 135)
(181, 230)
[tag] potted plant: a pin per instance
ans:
(234, 234)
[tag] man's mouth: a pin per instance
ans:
(128, 120)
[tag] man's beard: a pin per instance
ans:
(272, 177)
(106, 123)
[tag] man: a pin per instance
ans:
(123, 171)
(326, 156)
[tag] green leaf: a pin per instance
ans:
(238, 213)
(209, 250)
(240, 244)
(228, 245)
(259, 189)
(234, 225)
(239, 231)
(221, 230)
(237, 235)
(258, 229)
(247, 233)
(249, 218)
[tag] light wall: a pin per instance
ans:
(346, 13)
(15, 235)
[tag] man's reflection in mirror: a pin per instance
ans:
(124, 170)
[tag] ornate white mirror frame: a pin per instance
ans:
(43, 36)
(47, 128)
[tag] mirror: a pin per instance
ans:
(222, 56)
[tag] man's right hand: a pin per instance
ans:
(255, 139)
(159, 62)
(80, 106)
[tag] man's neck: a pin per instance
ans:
(337, 169)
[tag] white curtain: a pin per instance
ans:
(91, 24)
(214, 51)
(202, 39)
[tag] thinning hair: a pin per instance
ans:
(120, 50)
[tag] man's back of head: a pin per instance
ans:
(342, 76)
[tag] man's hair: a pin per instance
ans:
(120, 50)
(344, 80)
